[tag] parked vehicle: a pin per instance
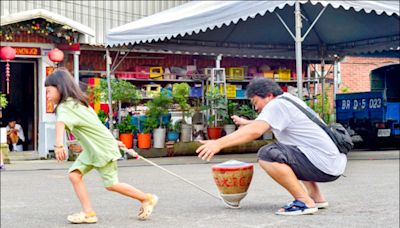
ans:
(373, 118)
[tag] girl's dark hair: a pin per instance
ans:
(65, 84)
(262, 87)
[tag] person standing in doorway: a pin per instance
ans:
(15, 135)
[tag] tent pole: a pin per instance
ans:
(323, 87)
(335, 87)
(76, 66)
(76, 62)
(298, 41)
(218, 61)
(110, 112)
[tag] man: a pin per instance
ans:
(15, 135)
(303, 150)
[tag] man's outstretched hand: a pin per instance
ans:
(208, 149)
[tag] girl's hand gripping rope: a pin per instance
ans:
(131, 152)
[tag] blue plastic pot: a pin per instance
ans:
(172, 136)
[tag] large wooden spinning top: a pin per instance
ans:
(233, 178)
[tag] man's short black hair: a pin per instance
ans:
(262, 87)
(11, 119)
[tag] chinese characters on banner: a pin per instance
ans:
(49, 104)
(27, 51)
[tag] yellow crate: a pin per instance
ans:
(235, 73)
(230, 90)
(268, 74)
(156, 72)
(284, 74)
(152, 90)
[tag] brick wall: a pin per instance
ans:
(355, 71)
(355, 74)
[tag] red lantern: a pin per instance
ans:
(56, 55)
(7, 54)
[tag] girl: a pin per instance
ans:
(100, 149)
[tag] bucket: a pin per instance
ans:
(186, 133)
(229, 128)
(214, 132)
(172, 136)
(127, 139)
(159, 137)
(144, 140)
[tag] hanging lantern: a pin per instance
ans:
(56, 55)
(7, 54)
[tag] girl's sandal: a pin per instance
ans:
(147, 207)
(82, 217)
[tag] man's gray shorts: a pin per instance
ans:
(292, 156)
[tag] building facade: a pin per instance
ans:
(33, 28)
(78, 28)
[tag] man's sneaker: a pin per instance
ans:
(147, 207)
(82, 217)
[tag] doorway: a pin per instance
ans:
(22, 99)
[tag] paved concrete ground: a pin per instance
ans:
(38, 194)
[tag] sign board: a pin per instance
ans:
(27, 50)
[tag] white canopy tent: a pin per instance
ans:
(257, 22)
(254, 29)
(267, 29)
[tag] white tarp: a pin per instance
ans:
(251, 28)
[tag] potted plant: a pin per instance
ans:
(173, 131)
(229, 125)
(3, 103)
(247, 112)
(158, 109)
(180, 94)
(213, 131)
(122, 92)
(3, 145)
(198, 121)
(126, 130)
(144, 137)
(217, 109)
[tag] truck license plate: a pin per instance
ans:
(383, 132)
